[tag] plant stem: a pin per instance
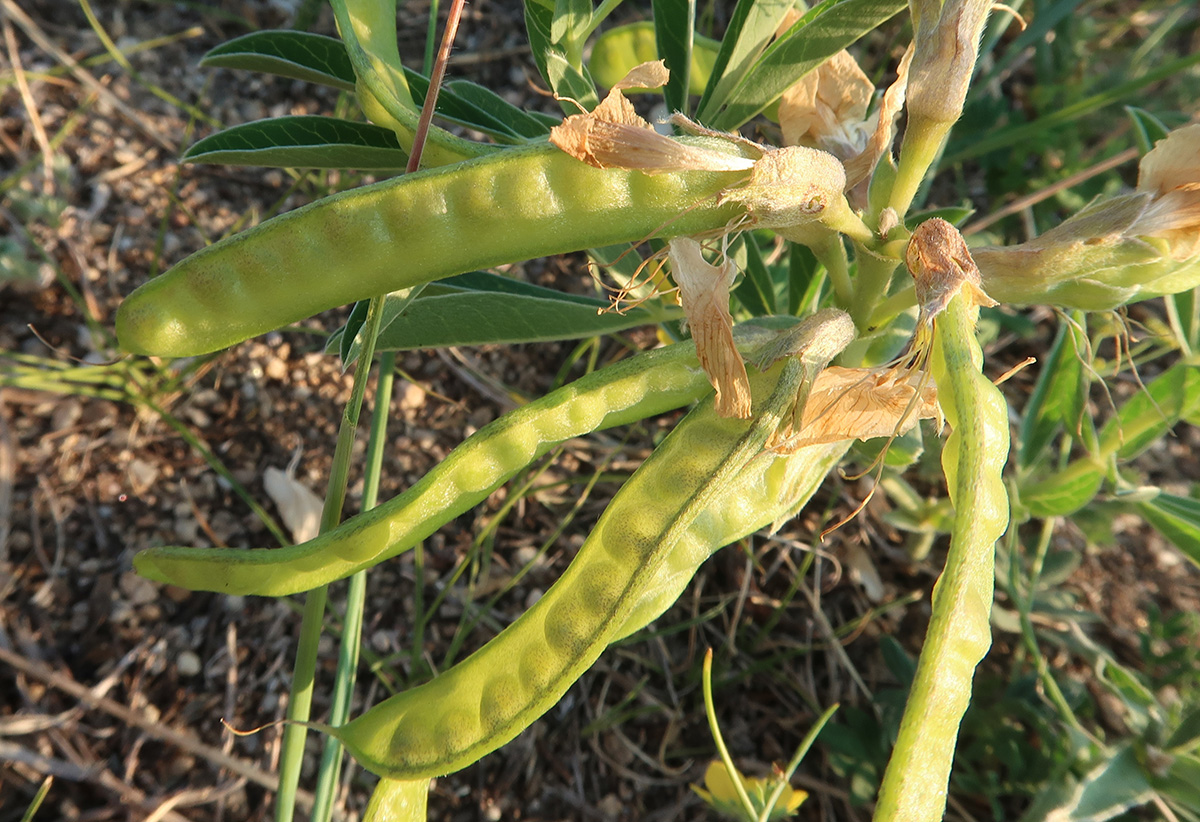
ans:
(304, 672)
(922, 142)
(343, 688)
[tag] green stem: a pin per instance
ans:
(832, 255)
(872, 279)
(797, 757)
(343, 688)
(916, 781)
(922, 142)
(304, 673)
(710, 710)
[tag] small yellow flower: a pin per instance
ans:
(722, 795)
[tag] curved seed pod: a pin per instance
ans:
(488, 698)
(785, 481)
(508, 206)
(630, 390)
(914, 786)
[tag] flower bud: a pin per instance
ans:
(945, 49)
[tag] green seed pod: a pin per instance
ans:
(641, 386)
(1093, 261)
(508, 206)
(677, 501)
(973, 459)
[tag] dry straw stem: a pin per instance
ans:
(1113, 251)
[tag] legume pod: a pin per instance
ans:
(707, 484)
(642, 386)
(511, 205)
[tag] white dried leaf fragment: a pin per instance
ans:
(299, 507)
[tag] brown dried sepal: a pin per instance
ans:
(614, 135)
(704, 294)
(942, 267)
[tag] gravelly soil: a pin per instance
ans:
(118, 687)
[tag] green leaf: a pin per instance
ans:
(825, 30)
(529, 124)
(1149, 415)
(1186, 736)
(566, 78)
(674, 24)
(1063, 493)
(302, 142)
(571, 18)
(618, 50)
(474, 106)
(1148, 128)
(299, 55)
(756, 291)
(1177, 519)
(751, 28)
(1060, 395)
(477, 308)
(1181, 783)
(1107, 791)
(1183, 312)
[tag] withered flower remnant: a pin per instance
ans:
(1117, 250)
(704, 294)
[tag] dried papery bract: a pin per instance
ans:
(1113, 251)
(859, 167)
(864, 403)
(704, 294)
(827, 108)
(613, 135)
(1170, 174)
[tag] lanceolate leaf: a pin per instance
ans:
(477, 308)
(302, 142)
(1059, 396)
(753, 24)
(1150, 414)
(825, 30)
(296, 54)
(565, 79)
(674, 24)
(1177, 519)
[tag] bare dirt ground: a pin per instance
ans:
(117, 687)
